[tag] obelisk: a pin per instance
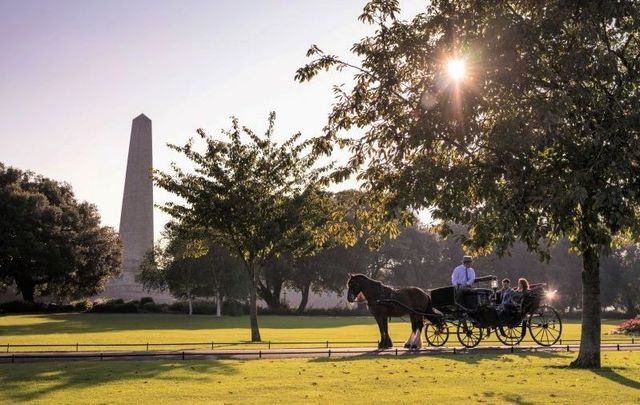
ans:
(136, 217)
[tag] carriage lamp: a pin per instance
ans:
(494, 283)
(551, 294)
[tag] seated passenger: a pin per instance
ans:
(506, 292)
(523, 285)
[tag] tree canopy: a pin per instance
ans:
(255, 196)
(51, 244)
(537, 139)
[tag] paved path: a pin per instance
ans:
(289, 353)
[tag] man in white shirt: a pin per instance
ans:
(463, 276)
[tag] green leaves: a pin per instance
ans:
(52, 244)
(538, 141)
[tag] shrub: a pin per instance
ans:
(178, 306)
(145, 300)
(116, 306)
(83, 306)
(152, 307)
(34, 307)
(234, 308)
(629, 327)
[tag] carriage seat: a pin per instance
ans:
(445, 298)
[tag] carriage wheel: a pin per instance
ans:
(436, 335)
(545, 326)
(469, 334)
(510, 336)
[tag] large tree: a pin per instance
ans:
(50, 243)
(251, 194)
(518, 119)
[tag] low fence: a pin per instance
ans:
(268, 344)
(289, 353)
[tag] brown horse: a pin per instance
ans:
(384, 302)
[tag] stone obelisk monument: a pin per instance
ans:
(136, 218)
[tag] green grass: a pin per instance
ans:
(168, 328)
(508, 378)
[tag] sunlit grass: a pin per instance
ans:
(171, 328)
(531, 378)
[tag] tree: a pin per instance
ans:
(190, 267)
(538, 140)
(249, 192)
(51, 244)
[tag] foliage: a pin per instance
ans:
(539, 141)
(51, 244)
(251, 194)
(117, 306)
(190, 267)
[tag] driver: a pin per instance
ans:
(463, 275)
(462, 278)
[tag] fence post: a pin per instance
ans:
(567, 347)
(77, 347)
(632, 342)
(259, 354)
(13, 358)
(396, 351)
(269, 345)
(211, 345)
(618, 346)
(147, 346)
(454, 350)
(329, 353)
(511, 349)
(8, 347)
(182, 355)
(327, 344)
(100, 356)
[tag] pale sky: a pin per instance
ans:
(74, 73)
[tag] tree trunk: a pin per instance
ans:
(190, 305)
(589, 356)
(26, 287)
(219, 305)
(253, 305)
(305, 297)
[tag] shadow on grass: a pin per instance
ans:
(33, 381)
(610, 374)
(459, 357)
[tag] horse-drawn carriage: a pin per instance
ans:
(475, 313)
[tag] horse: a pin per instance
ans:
(385, 301)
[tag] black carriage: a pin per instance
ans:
(475, 313)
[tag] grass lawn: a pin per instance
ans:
(508, 378)
(168, 328)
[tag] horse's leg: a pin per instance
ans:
(419, 326)
(387, 343)
(415, 341)
(381, 327)
(410, 341)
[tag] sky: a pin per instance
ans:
(74, 73)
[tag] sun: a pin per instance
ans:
(456, 68)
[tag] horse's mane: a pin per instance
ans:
(380, 283)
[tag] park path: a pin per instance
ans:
(249, 354)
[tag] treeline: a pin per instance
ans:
(418, 256)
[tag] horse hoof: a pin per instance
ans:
(407, 346)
